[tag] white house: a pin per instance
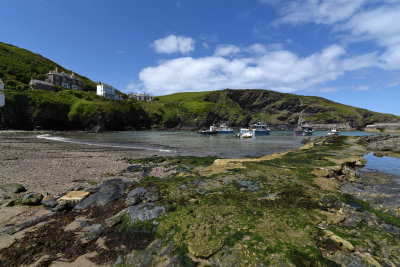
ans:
(107, 91)
(2, 98)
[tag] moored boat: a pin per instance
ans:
(212, 131)
(333, 132)
(304, 130)
(224, 129)
(245, 133)
(260, 129)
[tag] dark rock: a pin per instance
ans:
(49, 203)
(13, 188)
(27, 224)
(381, 142)
(144, 212)
(142, 194)
(110, 190)
(4, 196)
(33, 199)
(63, 206)
(95, 231)
(77, 188)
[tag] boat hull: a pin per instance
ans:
(225, 132)
(261, 132)
(207, 133)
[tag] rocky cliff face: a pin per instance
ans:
(279, 110)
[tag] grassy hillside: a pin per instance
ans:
(70, 110)
(18, 65)
(241, 107)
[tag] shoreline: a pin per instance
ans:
(54, 167)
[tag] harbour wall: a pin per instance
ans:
(383, 128)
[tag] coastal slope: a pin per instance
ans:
(241, 107)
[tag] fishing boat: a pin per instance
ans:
(333, 132)
(212, 131)
(245, 133)
(304, 130)
(260, 129)
(224, 129)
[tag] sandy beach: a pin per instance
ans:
(54, 167)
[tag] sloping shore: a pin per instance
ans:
(288, 209)
(54, 167)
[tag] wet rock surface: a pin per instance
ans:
(381, 142)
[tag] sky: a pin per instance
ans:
(345, 50)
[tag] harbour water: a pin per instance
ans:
(384, 164)
(189, 143)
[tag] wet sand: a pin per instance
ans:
(53, 167)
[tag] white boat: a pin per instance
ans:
(304, 130)
(260, 129)
(245, 133)
(333, 132)
(212, 131)
(224, 129)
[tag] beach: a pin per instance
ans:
(55, 167)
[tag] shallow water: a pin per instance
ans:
(189, 143)
(383, 164)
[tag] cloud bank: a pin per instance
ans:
(252, 67)
(272, 66)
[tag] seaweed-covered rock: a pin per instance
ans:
(13, 188)
(110, 190)
(33, 199)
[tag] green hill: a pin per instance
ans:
(29, 109)
(18, 65)
(76, 110)
(241, 107)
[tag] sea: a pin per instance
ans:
(189, 143)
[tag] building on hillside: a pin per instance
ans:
(107, 91)
(63, 79)
(141, 97)
(41, 85)
(69, 81)
(2, 98)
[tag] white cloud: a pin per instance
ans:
(279, 70)
(318, 11)
(381, 25)
(226, 50)
(173, 44)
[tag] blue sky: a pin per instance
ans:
(344, 50)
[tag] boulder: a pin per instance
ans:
(343, 244)
(110, 190)
(73, 196)
(142, 194)
(49, 202)
(13, 188)
(142, 212)
(33, 199)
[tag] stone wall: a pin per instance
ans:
(383, 128)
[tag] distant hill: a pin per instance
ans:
(241, 107)
(76, 110)
(18, 65)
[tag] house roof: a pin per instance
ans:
(71, 76)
